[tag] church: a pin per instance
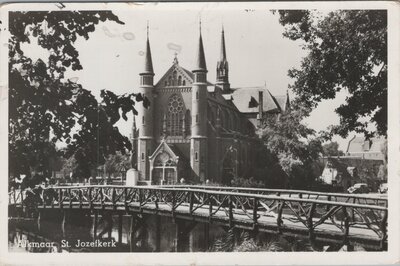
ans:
(195, 129)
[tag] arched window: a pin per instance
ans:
(169, 81)
(176, 110)
(179, 81)
(183, 82)
(174, 78)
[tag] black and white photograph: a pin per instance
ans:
(200, 128)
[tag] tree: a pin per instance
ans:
(332, 149)
(347, 50)
(43, 104)
(117, 164)
(295, 146)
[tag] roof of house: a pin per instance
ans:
(360, 144)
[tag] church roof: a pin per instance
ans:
(188, 75)
(282, 100)
(246, 100)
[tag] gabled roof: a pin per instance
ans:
(360, 144)
(186, 75)
(164, 147)
(247, 101)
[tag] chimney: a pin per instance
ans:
(260, 107)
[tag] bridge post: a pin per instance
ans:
(120, 228)
(158, 233)
(136, 229)
(95, 224)
(310, 225)
(131, 234)
(63, 222)
(206, 236)
(110, 226)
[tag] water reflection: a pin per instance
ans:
(155, 234)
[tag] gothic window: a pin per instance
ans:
(188, 122)
(179, 81)
(174, 79)
(176, 110)
(169, 81)
(183, 82)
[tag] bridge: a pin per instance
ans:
(329, 218)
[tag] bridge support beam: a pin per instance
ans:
(137, 232)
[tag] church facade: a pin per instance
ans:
(197, 130)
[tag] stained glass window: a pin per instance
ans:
(176, 110)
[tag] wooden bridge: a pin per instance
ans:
(344, 219)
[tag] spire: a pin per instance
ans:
(223, 50)
(200, 59)
(148, 63)
(223, 67)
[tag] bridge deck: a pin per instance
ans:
(266, 222)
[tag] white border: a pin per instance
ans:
(260, 258)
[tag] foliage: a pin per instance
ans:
(347, 50)
(241, 241)
(294, 145)
(332, 149)
(383, 171)
(246, 182)
(44, 105)
(117, 164)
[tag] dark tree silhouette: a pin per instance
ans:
(43, 104)
(347, 50)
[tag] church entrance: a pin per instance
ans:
(164, 175)
(163, 166)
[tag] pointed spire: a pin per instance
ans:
(200, 59)
(223, 67)
(148, 63)
(223, 50)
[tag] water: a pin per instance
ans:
(156, 234)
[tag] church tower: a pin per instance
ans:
(223, 68)
(145, 115)
(198, 143)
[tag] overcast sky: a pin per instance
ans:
(257, 52)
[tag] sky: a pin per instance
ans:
(257, 52)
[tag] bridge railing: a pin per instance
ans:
(380, 200)
(281, 210)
